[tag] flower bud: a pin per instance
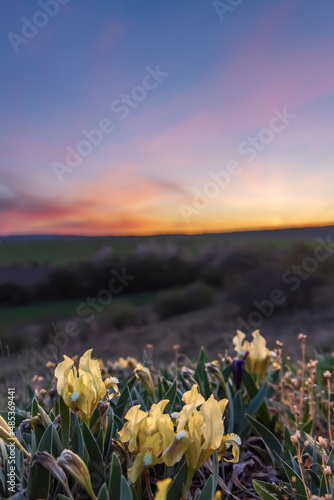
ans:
(50, 463)
(328, 470)
(9, 437)
(238, 367)
(213, 369)
(144, 375)
(77, 468)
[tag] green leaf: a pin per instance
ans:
(166, 385)
(262, 452)
(296, 483)
(230, 409)
(238, 410)
(263, 411)
(270, 440)
(207, 492)
(114, 487)
(146, 361)
(175, 489)
(134, 493)
(227, 372)
(44, 416)
(100, 440)
(215, 467)
(201, 375)
(170, 395)
(96, 460)
(125, 490)
(65, 419)
(257, 400)
(315, 481)
(250, 385)
(261, 490)
(109, 432)
(34, 408)
(45, 443)
(323, 486)
(316, 456)
(288, 447)
(160, 388)
(37, 434)
(330, 461)
(118, 423)
(124, 397)
(78, 445)
(139, 399)
(183, 381)
(307, 427)
(103, 493)
(56, 444)
(39, 478)
(294, 464)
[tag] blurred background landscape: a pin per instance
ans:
(119, 294)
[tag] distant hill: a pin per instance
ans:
(308, 232)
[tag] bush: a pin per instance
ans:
(123, 315)
(179, 301)
(154, 272)
(258, 284)
(13, 293)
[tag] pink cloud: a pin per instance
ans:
(121, 203)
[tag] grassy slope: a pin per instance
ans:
(63, 251)
(51, 311)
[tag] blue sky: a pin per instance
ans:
(223, 80)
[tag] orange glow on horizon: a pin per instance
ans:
(145, 228)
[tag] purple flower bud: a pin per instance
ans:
(238, 367)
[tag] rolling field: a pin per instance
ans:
(63, 250)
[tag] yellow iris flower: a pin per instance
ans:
(162, 488)
(156, 437)
(148, 434)
(228, 441)
(82, 390)
(203, 427)
(199, 432)
(125, 364)
(259, 357)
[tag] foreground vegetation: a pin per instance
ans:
(250, 424)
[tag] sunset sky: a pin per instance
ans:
(183, 91)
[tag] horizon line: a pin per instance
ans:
(246, 230)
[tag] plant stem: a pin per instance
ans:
(329, 413)
(148, 485)
(190, 476)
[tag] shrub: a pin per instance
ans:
(179, 301)
(13, 293)
(124, 315)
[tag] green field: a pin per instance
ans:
(52, 311)
(57, 252)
